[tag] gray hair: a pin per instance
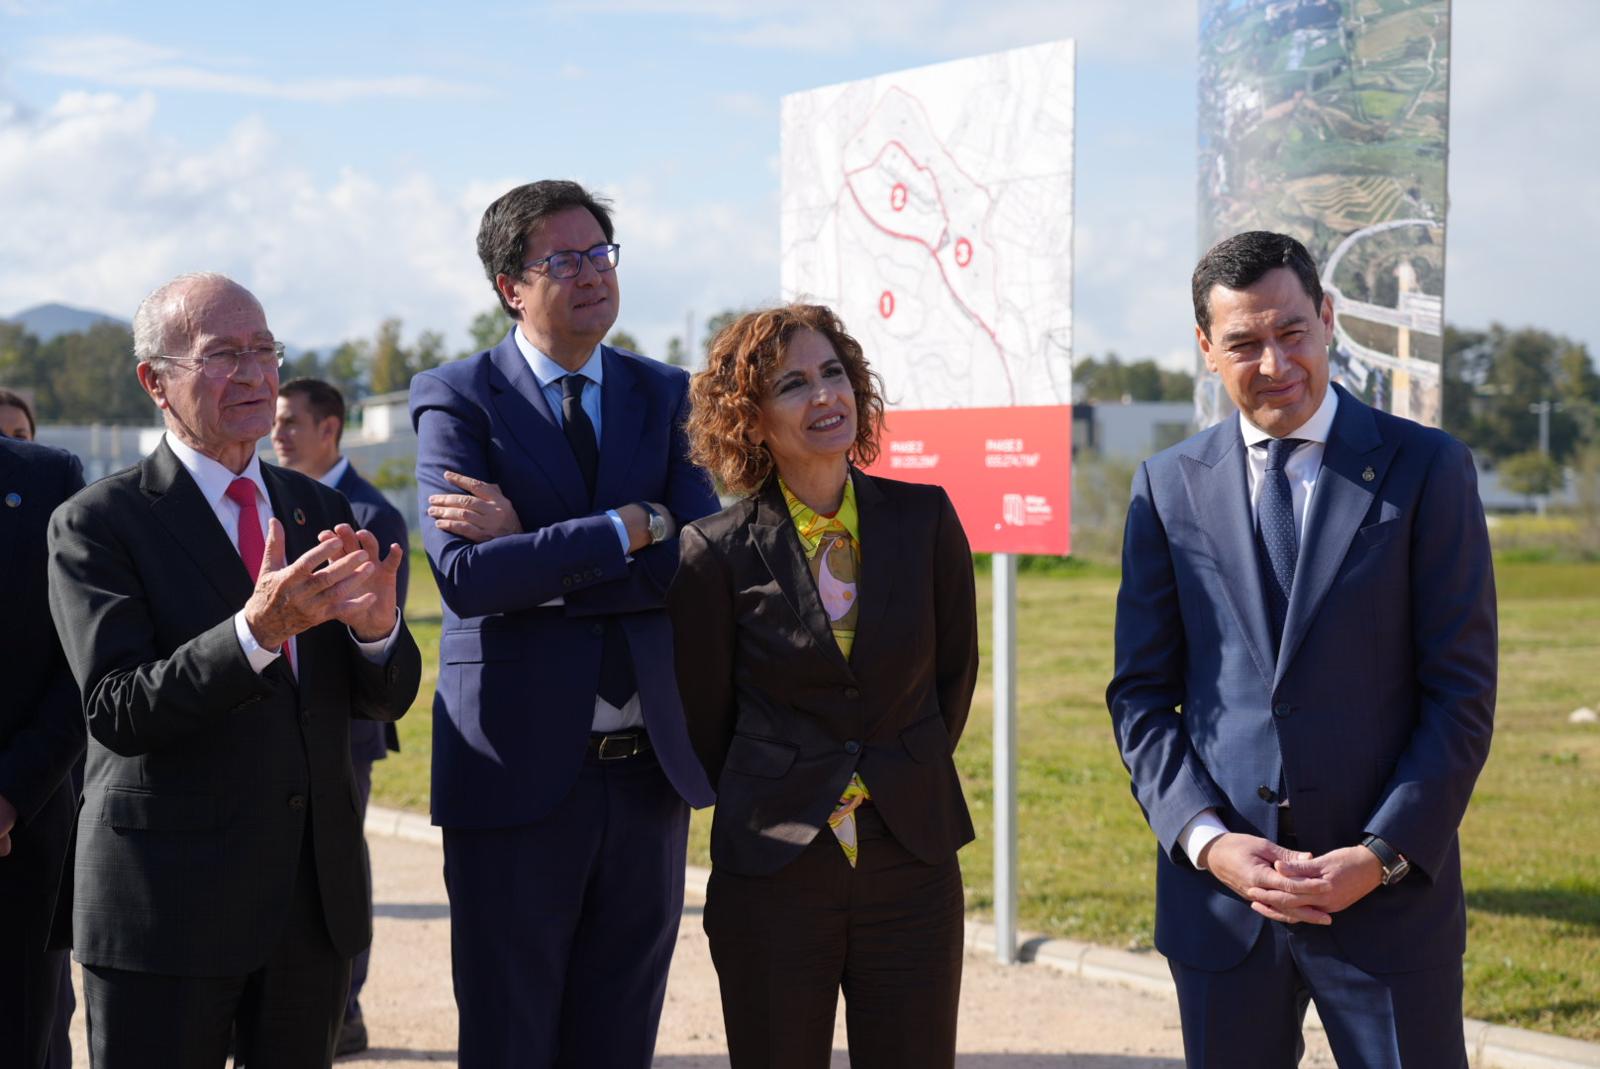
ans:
(162, 312)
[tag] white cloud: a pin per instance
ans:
(1150, 31)
(107, 206)
(126, 62)
(103, 207)
(1524, 199)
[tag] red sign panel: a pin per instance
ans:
(1007, 470)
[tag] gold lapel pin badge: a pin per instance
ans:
(1368, 475)
(300, 514)
(13, 500)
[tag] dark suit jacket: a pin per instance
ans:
(370, 740)
(41, 722)
(517, 679)
(781, 720)
(200, 772)
(1377, 710)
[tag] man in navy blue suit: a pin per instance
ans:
(305, 435)
(41, 739)
(1304, 691)
(555, 469)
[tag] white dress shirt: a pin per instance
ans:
(548, 374)
(214, 480)
(1302, 469)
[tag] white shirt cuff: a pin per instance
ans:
(258, 656)
(1200, 830)
(622, 531)
(377, 651)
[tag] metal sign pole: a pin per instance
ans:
(1005, 758)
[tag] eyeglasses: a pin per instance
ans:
(225, 363)
(568, 263)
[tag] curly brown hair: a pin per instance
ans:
(726, 395)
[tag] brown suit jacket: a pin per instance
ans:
(777, 715)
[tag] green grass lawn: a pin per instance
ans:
(1531, 841)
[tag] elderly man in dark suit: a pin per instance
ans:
(306, 436)
(41, 738)
(1304, 691)
(561, 763)
(225, 620)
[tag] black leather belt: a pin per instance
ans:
(1286, 835)
(618, 745)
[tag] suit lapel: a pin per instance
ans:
(14, 479)
(881, 536)
(622, 412)
(775, 538)
(300, 533)
(1219, 494)
(299, 517)
(521, 404)
(187, 516)
(1342, 497)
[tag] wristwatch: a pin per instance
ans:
(1395, 866)
(655, 523)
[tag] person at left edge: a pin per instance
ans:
(224, 620)
(561, 763)
(306, 436)
(41, 739)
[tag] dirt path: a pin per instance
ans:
(1024, 1017)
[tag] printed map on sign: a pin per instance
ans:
(932, 209)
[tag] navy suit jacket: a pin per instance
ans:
(370, 740)
(1377, 711)
(41, 718)
(517, 678)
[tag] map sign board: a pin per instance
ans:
(1328, 120)
(932, 208)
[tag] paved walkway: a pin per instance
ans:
(1092, 1009)
(1025, 1017)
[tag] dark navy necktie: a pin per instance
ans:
(617, 682)
(1275, 528)
(579, 430)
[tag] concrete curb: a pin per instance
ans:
(1490, 1046)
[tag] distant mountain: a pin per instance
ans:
(45, 321)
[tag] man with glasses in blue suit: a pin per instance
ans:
(555, 470)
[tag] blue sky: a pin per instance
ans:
(336, 158)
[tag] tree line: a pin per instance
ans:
(1497, 382)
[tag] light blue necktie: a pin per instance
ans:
(1276, 531)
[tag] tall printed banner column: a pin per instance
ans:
(932, 208)
(1329, 120)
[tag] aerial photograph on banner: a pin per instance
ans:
(1328, 120)
(933, 209)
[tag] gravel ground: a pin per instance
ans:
(1022, 1017)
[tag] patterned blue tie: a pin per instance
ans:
(1276, 530)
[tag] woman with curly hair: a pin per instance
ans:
(826, 654)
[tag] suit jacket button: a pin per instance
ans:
(852, 746)
(305, 716)
(297, 801)
(597, 630)
(852, 692)
(394, 673)
(1281, 710)
(1266, 794)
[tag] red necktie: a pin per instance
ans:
(252, 547)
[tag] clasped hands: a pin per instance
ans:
(343, 577)
(484, 512)
(1292, 886)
